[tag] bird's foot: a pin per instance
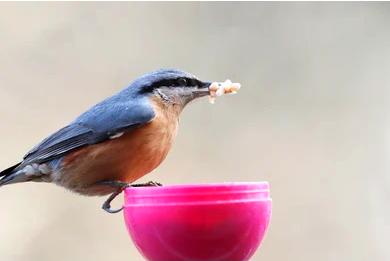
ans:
(147, 184)
(120, 186)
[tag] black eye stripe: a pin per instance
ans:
(195, 82)
(176, 82)
(173, 82)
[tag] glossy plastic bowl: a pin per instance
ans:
(218, 222)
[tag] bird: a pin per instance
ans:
(115, 142)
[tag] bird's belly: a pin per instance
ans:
(125, 159)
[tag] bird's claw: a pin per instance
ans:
(147, 184)
(107, 204)
(120, 187)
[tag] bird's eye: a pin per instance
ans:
(182, 82)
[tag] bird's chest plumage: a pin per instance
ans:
(125, 158)
(143, 149)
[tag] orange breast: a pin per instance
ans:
(126, 158)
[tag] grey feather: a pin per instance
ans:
(98, 124)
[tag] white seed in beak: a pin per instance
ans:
(217, 89)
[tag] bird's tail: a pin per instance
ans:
(9, 176)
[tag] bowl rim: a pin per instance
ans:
(198, 203)
(263, 185)
(178, 194)
(194, 194)
(230, 183)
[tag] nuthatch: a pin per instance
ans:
(115, 142)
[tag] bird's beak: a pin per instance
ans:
(202, 90)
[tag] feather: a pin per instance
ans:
(94, 126)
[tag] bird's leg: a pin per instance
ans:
(120, 186)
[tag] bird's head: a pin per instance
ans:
(171, 86)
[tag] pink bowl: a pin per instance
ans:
(224, 222)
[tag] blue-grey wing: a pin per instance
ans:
(66, 139)
(94, 126)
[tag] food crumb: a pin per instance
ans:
(220, 88)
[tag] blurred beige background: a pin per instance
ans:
(312, 117)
